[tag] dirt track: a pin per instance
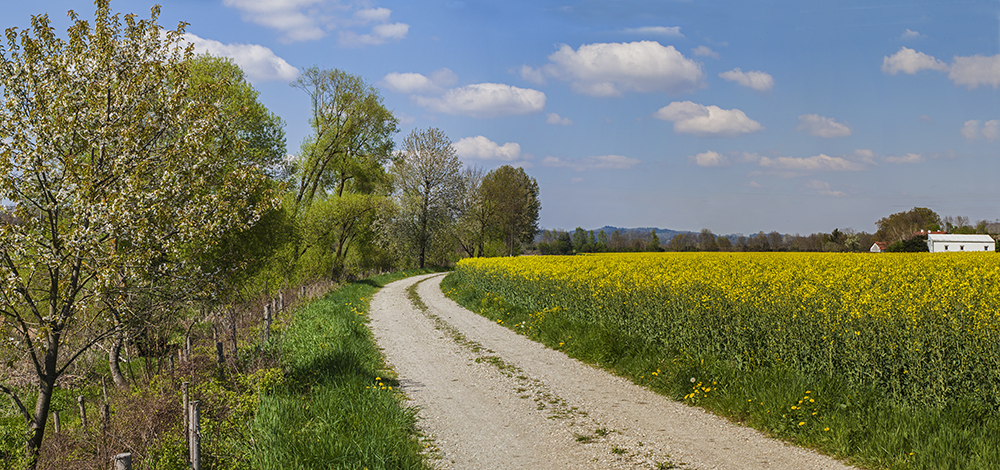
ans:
(492, 399)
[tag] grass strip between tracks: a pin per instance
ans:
(335, 404)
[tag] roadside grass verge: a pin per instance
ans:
(334, 404)
(821, 412)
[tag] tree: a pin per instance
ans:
(346, 155)
(580, 240)
(654, 242)
(428, 186)
(352, 135)
(474, 215)
(706, 241)
(901, 225)
(118, 175)
(514, 196)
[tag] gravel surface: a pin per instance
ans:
(489, 398)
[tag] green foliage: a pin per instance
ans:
(332, 406)
(917, 244)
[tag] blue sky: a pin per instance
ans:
(734, 116)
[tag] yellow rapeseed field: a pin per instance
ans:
(924, 326)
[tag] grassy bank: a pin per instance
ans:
(823, 411)
(333, 404)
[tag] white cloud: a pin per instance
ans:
(533, 75)
(710, 158)
(607, 69)
(553, 118)
(417, 83)
(820, 126)
(971, 130)
(976, 70)
(705, 51)
(310, 20)
(297, 19)
(380, 34)
(909, 34)
(370, 15)
(481, 148)
(909, 61)
(707, 121)
(908, 158)
(674, 31)
(823, 188)
(819, 162)
(760, 81)
(258, 62)
(603, 162)
(483, 100)
(990, 130)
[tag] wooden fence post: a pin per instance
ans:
(195, 437)
(184, 395)
(83, 413)
(55, 421)
(267, 321)
(122, 461)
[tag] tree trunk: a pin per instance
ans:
(113, 362)
(46, 385)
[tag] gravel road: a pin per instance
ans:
(492, 399)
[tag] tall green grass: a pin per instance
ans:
(334, 405)
(821, 411)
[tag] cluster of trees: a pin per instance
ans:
(149, 186)
(560, 242)
(903, 231)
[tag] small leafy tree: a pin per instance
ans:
(119, 179)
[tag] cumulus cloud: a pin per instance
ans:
(970, 72)
(380, 34)
(705, 51)
(483, 100)
(908, 158)
(819, 126)
(481, 148)
(532, 75)
(976, 70)
(418, 83)
(553, 118)
(909, 61)
(972, 130)
(603, 162)
(760, 81)
(707, 121)
(608, 69)
(823, 188)
(674, 31)
(309, 20)
(909, 34)
(821, 162)
(258, 62)
(296, 19)
(710, 158)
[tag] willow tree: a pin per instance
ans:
(340, 173)
(117, 176)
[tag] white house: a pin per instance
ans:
(951, 242)
(879, 247)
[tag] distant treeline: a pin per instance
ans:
(900, 231)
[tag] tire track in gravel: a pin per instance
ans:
(489, 398)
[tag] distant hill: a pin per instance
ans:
(664, 234)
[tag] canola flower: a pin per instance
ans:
(925, 327)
